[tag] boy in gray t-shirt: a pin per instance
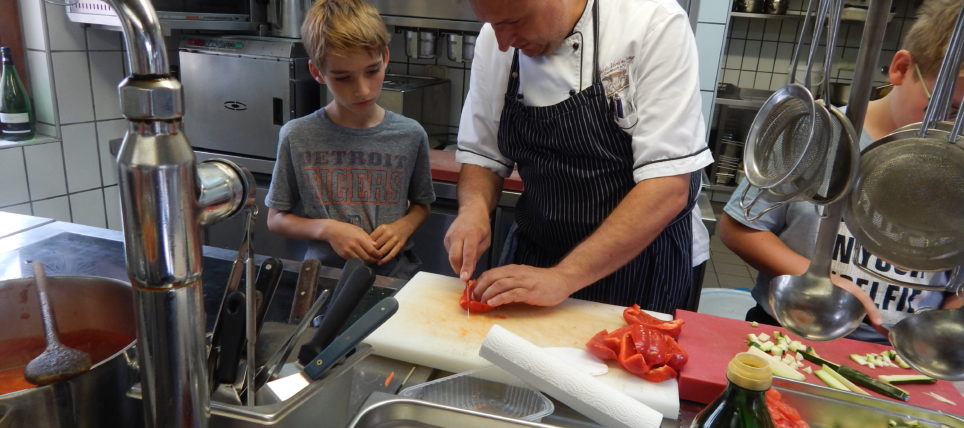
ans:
(352, 178)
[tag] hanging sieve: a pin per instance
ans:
(781, 142)
(907, 204)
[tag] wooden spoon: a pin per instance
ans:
(57, 362)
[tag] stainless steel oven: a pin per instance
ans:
(240, 90)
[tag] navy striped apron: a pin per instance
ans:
(577, 165)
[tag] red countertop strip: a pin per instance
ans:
(445, 168)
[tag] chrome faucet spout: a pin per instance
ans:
(165, 197)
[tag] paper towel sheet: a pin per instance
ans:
(587, 395)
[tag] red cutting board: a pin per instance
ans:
(711, 342)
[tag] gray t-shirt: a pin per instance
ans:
(366, 177)
(796, 225)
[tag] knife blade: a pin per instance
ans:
(352, 291)
(304, 290)
(269, 276)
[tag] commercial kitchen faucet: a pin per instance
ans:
(165, 198)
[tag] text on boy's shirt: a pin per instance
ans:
(346, 177)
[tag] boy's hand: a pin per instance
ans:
(351, 241)
(873, 314)
(390, 238)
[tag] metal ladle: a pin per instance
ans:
(57, 362)
(810, 305)
(932, 342)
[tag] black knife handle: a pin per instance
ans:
(351, 293)
(231, 339)
(268, 278)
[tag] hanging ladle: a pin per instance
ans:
(932, 342)
(810, 305)
(57, 362)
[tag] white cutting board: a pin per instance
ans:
(431, 329)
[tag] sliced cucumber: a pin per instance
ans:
(861, 378)
(899, 379)
(829, 380)
(846, 382)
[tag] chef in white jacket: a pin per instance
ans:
(597, 103)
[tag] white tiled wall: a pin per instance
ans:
(74, 72)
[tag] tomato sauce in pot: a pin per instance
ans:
(16, 353)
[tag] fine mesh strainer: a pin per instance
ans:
(907, 205)
(786, 150)
(781, 141)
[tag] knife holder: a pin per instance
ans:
(323, 399)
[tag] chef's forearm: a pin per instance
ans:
(638, 219)
(478, 189)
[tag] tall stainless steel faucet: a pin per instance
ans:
(166, 197)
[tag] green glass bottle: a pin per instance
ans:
(17, 120)
(743, 404)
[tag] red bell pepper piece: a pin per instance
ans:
(473, 306)
(629, 359)
(635, 315)
(659, 374)
(598, 347)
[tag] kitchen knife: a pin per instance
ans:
(274, 363)
(352, 291)
(334, 289)
(346, 341)
(304, 290)
(231, 339)
(284, 388)
(268, 278)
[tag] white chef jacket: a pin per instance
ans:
(647, 58)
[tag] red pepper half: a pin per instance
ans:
(473, 306)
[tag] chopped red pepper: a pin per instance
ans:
(473, 306)
(782, 414)
(644, 348)
(635, 315)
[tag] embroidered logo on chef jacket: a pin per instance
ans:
(615, 79)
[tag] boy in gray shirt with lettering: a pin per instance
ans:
(352, 179)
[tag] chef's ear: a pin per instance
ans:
(315, 72)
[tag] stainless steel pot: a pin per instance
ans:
(83, 305)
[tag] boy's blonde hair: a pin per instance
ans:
(339, 26)
(928, 37)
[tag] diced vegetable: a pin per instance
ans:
(859, 359)
(764, 337)
(844, 381)
(754, 324)
(899, 379)
(829, 380)
(900, 361)
(777, 367)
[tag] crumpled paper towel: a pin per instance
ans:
(580, 391)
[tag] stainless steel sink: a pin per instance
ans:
(408, 413)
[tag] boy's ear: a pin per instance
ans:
(901, 67)
(315, 72)
(385, 56)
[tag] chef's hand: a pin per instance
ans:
(524, 284)
(467, 238)
(873, 314)
(390, 238)
(351, 241)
